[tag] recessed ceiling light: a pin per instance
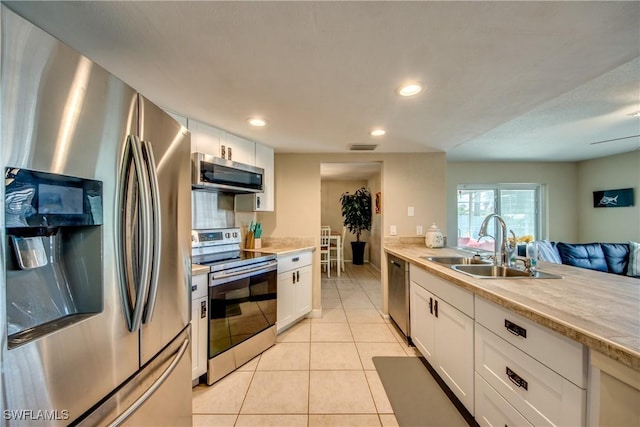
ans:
(257, 121)
(378, 132)
(410, 89)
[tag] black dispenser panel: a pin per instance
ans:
(36, 199)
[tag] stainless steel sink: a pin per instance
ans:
(454, 260)
(494, 272)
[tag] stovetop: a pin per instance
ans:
(220, 250)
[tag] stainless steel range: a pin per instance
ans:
(242, 299)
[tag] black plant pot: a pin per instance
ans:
(357, 250)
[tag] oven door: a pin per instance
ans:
(241, 306)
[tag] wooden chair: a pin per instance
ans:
(337, 252)
(324, 253)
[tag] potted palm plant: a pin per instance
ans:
(356, 211)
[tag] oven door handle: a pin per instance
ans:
(223, 277)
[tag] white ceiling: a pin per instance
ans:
(505, 80)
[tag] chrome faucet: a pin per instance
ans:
(505, 249)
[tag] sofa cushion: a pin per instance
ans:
(634, 259)
(617, 257)
(585, 255)
(547, 251)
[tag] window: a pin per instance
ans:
(518, 204)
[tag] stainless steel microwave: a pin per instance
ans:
(217, 174)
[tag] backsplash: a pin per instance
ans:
(211, 210)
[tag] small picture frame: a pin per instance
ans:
(378, 202)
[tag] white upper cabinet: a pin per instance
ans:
(238, 149)
(204, 138)
(261, 202)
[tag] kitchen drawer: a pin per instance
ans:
(293, 261)
(199, 286)
(492, 410)
(563, 355)
(454, 295)
(541, 395)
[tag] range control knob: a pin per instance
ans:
(227, 235)
(235, 234)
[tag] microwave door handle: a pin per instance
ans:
(156, 231)
(145, 230)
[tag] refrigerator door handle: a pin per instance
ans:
(152, 389)
(157, 227)
(133, 153)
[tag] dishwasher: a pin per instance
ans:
(398, 275)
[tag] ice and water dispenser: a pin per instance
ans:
(53, 252)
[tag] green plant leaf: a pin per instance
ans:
(356, 211)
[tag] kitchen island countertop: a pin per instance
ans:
(599, 310)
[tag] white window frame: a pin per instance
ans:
(540, 222)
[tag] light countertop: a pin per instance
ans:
(284, 250)
(600, 310)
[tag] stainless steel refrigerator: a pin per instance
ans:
(95, 244)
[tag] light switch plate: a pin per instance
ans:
(410, 211)
(419, 230)
(393, 230)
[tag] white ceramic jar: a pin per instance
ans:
(434, 238)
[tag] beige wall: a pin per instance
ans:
(560, 180)
(331, 212)
(608, 224)
(414, 179)
(375, 247)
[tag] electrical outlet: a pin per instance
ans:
(410, 211)
(419, 230)
(393, 230)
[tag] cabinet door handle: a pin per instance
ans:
(515, 329)
(435, 307)
(194, 288)
(516, 379)
(297, 276)
(203, 309)
(431, 305)
(296, 259)
(229, 152)
(223, 151)
(293, 273)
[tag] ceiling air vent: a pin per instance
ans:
(362, 147)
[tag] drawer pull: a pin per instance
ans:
(203, 309)
(515, 378)
(515, 329)
(296, 259)
(194, 288)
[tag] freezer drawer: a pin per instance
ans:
(163, 386)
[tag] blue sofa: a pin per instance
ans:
(607, 257)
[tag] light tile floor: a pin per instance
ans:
(320, 372)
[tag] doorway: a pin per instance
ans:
(338, 178)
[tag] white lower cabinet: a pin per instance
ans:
(443, 333)
(294, 287)
(540, 392)
(199, 325)
(492, 410)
